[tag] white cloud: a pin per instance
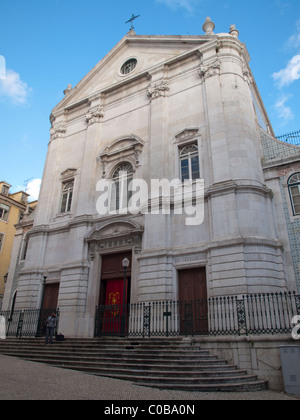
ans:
(290, 74)
(294, 41)
(33, 189)
(13, 88)
(188, 5)
(284, 112)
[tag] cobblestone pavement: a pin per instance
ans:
(23, 380)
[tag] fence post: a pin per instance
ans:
(167, 314)
(20, 324)
(146, 320)
(241, 312)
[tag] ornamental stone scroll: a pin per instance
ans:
(210, 70)
(94, 115)
(58, 131)
(158, 89)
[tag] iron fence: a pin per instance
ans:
(263, 313)
(292, 138)
(28, 323)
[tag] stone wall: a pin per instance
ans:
(259, 355)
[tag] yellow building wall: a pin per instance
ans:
(8, 229)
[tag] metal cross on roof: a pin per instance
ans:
(132, 20)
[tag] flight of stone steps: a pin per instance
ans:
(157, 363)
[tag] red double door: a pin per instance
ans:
(115, 293)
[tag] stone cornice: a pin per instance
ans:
(229, 187)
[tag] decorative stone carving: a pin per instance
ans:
(68, 174)
(210, 70)
(58, 131)
(233, 31)
(208, 26)
(125, 148)
(187, 134)
(247, 75)
(115, 234)
(68, 90)
(158, 89)
(94, 115)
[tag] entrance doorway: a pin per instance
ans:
(114, 296)
(193, 301)
(49, 305)
(50, 298)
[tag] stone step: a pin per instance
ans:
(159, 363)
(125, 349)
(188, 358)
(253, 386)
(185, 363)
(140, 364)
(158, 370)
(108, 348)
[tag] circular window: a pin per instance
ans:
(129, 66)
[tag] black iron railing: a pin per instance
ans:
(263, 313)
(292, 138)
(28, 323)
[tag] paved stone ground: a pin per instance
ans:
(23, 380)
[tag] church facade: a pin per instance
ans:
(183, 108)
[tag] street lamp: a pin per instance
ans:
(125, 264)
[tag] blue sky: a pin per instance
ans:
(48, 44)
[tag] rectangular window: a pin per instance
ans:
(189, 162)
(4, 211)
(295, 191)
(67, 196)
(5, 190)
(1, 241)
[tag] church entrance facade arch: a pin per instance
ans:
(111, 286)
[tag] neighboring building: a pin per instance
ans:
(18, 254)
(159, 107)
(281, 166)
(12, 209)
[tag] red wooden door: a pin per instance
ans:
(112, 299)
(193, 301)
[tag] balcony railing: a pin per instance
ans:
(291, 138)
(254, 314)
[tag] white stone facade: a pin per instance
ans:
(184, 90)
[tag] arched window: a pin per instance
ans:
(294, 189)
(67, 196)
(120, 194)
(189, 162)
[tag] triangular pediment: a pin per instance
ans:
(148, 51)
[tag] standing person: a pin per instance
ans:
(50, 327)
